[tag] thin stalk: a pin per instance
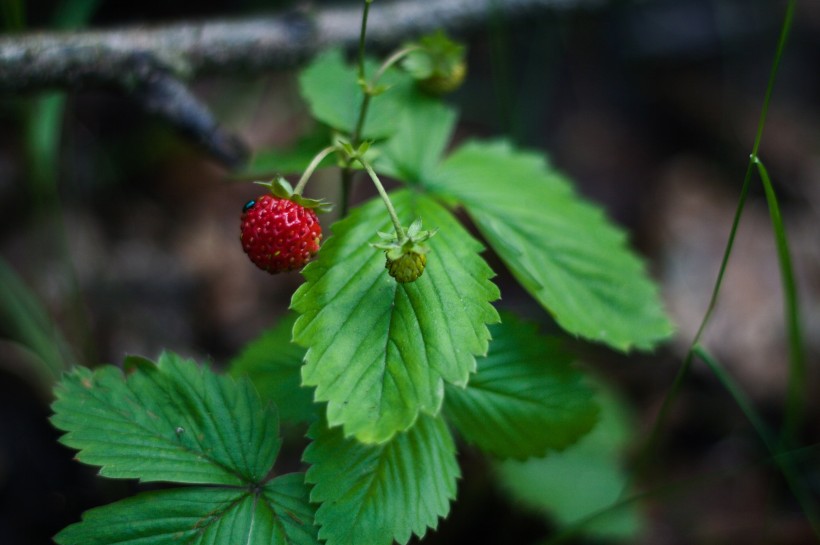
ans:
(311, 168)
(380, 188)
(796, 389)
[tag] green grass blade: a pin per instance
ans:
(796, 392)
(23, 319)
(782, 458)
(44, 124)
(785, 28)
(647, 451)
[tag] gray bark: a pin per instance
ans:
(150, 63)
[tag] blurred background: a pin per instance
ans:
(118, 236)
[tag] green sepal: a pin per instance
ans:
(282, 189)
(412, 242)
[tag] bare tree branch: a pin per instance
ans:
(149, 62)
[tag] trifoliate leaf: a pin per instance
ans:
(173, 421)
(330, 87)
(277, 513)
(375, 494)
(585, 480)
(525, 397)
(379, 352)
(273, 363)
(414, 150)
(561, 248)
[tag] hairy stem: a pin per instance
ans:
(311, 168)
(362, 35)
(380, 188)
(393, 59)
(347, 171)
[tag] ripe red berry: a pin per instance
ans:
(279, 235)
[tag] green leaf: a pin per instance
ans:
(279, 513)
(575, 484)
(269, 162)
(379, 352)
(171, 422)
(273, 363)
(334, 95)
(374, 494)
(561, 248)
(525, 397)
(413, 152)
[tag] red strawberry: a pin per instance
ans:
(278, 234)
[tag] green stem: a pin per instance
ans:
(391, 60)
(367, 87)
(347, 172)
(357, 131)
(362, 38)
(311, 168)
(392, 211)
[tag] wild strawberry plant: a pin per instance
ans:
(394, 348)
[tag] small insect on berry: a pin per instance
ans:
(278, 234)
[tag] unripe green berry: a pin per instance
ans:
(443, 83)
(407, 268)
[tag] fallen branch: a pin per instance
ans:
(144, 62)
